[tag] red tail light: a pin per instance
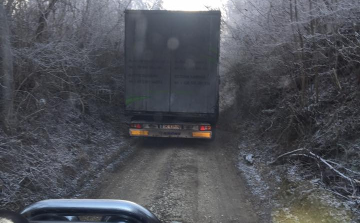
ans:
(136, 125)
(205, 127)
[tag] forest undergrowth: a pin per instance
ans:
(321, 140)
(296, 79)
(55, 153)
(61, 99)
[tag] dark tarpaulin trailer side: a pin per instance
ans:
(171, 62)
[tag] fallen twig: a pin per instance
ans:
(327, 163)
(341, 166)
(336, 171)
(286, 154)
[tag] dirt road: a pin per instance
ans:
(183, 181)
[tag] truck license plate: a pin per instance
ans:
(171, 127)
(172, 133)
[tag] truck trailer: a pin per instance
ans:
(172, 73)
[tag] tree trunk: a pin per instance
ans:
(291, 11)
(42, 20)
(9, 7)
(6, 73)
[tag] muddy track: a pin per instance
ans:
(183, 180)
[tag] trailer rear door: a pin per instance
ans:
(172, 61)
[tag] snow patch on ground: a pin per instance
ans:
(284, 191)
(257, 185)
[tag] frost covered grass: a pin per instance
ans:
(297, 78)
(257, 185)
(285, 192)
(54, 155)
(301, 201)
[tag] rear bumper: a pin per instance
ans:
(183, 116)
(166, 133)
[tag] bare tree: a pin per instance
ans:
(6, 69)
(43, 19)
(289, 60)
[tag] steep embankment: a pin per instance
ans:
(55, 152)
(307, 156)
